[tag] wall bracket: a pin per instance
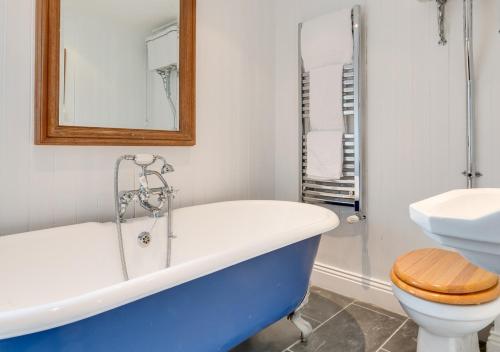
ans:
(441, 17)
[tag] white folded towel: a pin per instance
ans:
(325, 98)
(324, 155)
(327, 40)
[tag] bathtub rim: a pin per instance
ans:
(42, 317)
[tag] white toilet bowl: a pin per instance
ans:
(449, 298)
(445, 327)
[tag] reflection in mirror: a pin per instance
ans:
(119, 64)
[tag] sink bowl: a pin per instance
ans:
(467, 220)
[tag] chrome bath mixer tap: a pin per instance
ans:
(144, 195)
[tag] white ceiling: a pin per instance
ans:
(148, 13)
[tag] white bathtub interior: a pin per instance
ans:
(52, 265)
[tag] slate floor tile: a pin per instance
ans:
(275, 338)
(332, 296)
(324, 304)
(378, 309)
(485, 333)
(483, 337)
(355, 329)
(405, 340)
(361, 327)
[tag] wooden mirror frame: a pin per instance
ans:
(47, 127)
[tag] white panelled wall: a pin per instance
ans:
(44, 186)
(414, 132)
(247, 126)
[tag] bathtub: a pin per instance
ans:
(237, 268)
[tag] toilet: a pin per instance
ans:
(448, 297)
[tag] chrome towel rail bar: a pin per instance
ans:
(348, 190)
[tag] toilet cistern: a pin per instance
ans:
(467, 220)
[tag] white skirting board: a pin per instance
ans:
(355, 285)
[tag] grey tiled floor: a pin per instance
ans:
(341, 324)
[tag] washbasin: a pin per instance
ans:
(467, 220)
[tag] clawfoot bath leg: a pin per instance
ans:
(303, 325)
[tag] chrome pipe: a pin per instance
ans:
(441, 15)
(358, 80)
(470, 172)
(166, 76)
(302, 128)
(170, 234)
(118, 216)
(170, 195)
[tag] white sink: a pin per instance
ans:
(467, 220)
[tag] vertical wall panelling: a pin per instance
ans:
(247, 103)
(16, 106)
(287, 150)
(3, 123)
(45, 186)
(415, 128)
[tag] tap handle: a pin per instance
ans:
(166, 168)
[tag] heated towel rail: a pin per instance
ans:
(348, 190)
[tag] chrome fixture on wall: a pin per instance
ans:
(166, 75)
(164, 196)
(441, 4)
(471, 172)
(441, 16)
(348, 190)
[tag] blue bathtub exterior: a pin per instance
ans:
(212, 313)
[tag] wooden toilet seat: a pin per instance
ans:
(443, 276)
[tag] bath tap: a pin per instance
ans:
(144, 192)
(164, 195)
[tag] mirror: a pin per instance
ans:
(119, 64)
(115, 72)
